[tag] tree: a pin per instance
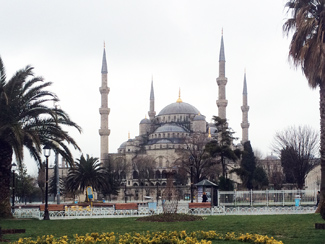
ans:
(24, 185)
(86, 172)
(307, 50)
(110, 186)
(252, 176)
(41, 179)
(260, 180)
(144, 167)
(222, 145)
(27, 121)
(297, 147)
(117, 167)
(196, 156)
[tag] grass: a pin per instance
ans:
(295, 229)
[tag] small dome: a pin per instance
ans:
(145, 121)
(179, 108)
(123, 145)
(169, 128)
(213, 130)
(199, 117)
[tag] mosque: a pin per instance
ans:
(162, 135)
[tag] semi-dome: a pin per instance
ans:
(169, 128)
(199, 117)
(145, 121)
(179, 108)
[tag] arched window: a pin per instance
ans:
(158, 175)
(135, 174)
(164, 174)
(151, 174)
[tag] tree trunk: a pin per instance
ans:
(322, 141)
(5, 173)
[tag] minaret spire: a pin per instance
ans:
(245, 108)
(152, 111)
(222, 82)
(104, 112)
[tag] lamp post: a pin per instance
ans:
(13, 168)
(47, 153)
(191, 163)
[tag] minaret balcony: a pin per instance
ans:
(222, 81)
(104, 90)
(104, 110)
(244, 108)
(104, 132)
(222, 103)
(244, 125)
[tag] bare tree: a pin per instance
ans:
(144, 166)
(118, 168)
(297, 147)
(195, 156)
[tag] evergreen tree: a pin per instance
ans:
(222, 145)
(252, 177)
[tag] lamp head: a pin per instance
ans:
(47, 150)
(13, 167)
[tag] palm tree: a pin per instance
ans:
(27, 122)
(86, 172)
(307, 49)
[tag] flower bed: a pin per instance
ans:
(174, 237)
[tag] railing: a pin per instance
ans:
(111, 212)
(266, 198)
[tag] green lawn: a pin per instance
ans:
(293, 229)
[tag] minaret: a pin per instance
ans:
(222, 82)
(244, 109)
(104, 112)
(152, 111)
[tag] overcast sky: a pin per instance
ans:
(176, 42)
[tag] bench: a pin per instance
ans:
(52, 207)
(126, 208)
(199, 208)
(199, 205)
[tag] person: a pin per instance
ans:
(204, 197)
(317, 198)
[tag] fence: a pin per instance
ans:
(266, 198)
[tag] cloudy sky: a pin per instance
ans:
(176, 42)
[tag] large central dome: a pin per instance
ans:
(179, 108)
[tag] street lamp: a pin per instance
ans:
(47, 153)
(191, 164)
(13, 168)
